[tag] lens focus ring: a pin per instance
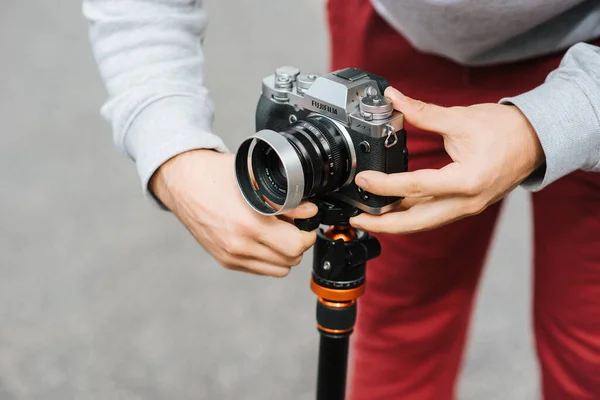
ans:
(327, 130)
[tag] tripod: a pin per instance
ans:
(338, 279)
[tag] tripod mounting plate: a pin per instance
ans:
(331, 212)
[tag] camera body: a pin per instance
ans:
(338, 125)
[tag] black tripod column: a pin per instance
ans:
(338, 279)
(335, 321)
(333, 366)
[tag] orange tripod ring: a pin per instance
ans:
(336, 294)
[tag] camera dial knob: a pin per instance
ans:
(304, 82)
(376, 107)
(370, 91)
(290, 73)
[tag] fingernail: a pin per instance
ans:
(362, 183)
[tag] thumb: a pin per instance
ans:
(422, 115)
(304, 210)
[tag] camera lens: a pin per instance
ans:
(277, 170)
(268, 175)
(275, 166)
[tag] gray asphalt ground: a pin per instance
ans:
(104, 297)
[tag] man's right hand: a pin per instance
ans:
(200, 188)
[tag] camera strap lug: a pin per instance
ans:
(391, 137)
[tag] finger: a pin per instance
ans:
(424, 216)
(286, 239)
(248, 247)
(263, 253)
(304, 210)
(409, 202)
(423, 115)
(260, 268)
(420, 183)
(285, 218)
(270, 270)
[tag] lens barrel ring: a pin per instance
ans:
(322, 128)
(326, 129)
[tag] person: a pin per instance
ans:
(495, 95)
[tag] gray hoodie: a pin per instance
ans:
(150, 59)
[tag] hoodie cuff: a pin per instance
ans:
(165, 128)
(559, 112)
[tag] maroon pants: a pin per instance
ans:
(413, 319)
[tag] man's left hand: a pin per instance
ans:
(493, 148)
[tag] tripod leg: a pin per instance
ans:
(340, 256)
(335, 321)
(333, 363)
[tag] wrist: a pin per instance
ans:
(163, 184)
(532, 147)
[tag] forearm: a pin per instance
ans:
(149, 56)
(565, 113)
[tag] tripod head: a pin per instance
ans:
(340, 256)
(341, 251)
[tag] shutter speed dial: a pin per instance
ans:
(376, 107)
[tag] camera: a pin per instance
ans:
(314, 134)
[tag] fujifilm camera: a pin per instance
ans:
(314, 134)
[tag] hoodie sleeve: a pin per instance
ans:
(565, 113)
(150, 58)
